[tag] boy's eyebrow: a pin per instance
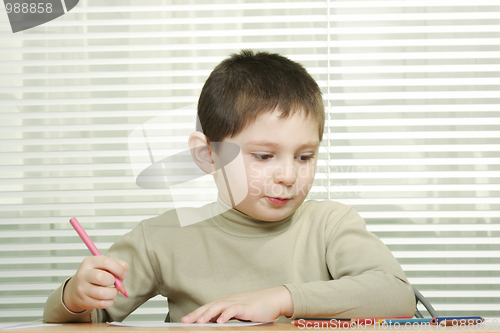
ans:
(313, 144)
(263, 143)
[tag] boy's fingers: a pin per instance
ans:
(111, 265)
(193, 316)
(123, 263)
(102, 293)
(227, 314)
(212, 311)
(99, 277)
(92, 303)
(214, 319)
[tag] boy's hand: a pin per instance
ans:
(88, 289)
(258, 306)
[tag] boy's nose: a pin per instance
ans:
(285, 174)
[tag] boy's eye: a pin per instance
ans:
(262, 157)
(305, 158)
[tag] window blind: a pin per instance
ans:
(412, 136)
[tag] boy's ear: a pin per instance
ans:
(201, 153)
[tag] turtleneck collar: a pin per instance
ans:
(237, 223)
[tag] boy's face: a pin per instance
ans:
(280, 156)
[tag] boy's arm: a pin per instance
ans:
(367, 282)
(56, 312)
(260, 306)
(367, 279)
(141, 283)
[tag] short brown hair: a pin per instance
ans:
(248, 84)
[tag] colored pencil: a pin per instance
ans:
(346, 322)
(456, 321)
(405, 321)
(371, 321)
(93, 249)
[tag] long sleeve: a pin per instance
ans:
(141, 283)
(367, 281)
(323, 254)
(56, 312)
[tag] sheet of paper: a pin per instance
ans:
(162, 324)
(13, 326)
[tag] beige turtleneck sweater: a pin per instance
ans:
(322, 253)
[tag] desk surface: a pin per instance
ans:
(272, 328)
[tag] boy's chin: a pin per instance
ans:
(276, 216)
(266, 210)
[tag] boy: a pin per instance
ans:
(268, 255)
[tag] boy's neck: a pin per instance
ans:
(236, 222)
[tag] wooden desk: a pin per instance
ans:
(271, 328)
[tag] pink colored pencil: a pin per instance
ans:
(93, 249)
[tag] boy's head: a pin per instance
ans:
(249, 84)
(267, 110)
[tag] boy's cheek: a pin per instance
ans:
(257, 173)
(304, 172)
(252, 167)
(255, 188)
(231, 181)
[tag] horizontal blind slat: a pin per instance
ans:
(187, 190)
(481, 107)
(372, 55)
(445, 254)
(261, 32)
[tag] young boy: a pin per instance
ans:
(270, 255)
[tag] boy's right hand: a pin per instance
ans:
(89, 288)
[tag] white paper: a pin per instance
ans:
(162, 324)
(13, 326)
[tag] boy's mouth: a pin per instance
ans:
(278, 201)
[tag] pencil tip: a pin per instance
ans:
(122, 290)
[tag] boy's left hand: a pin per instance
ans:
(258, 306)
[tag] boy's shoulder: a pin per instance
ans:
(167, 217)
(330, 216)
(173, 217)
